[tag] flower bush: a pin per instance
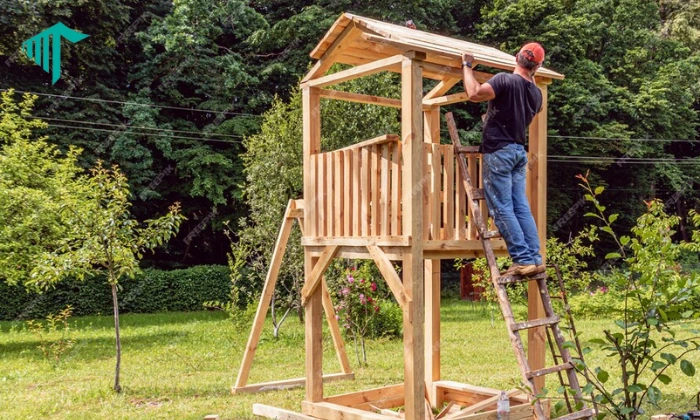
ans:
(358, 304)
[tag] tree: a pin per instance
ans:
(104, 237)
(35, 179)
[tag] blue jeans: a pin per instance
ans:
(504, 187)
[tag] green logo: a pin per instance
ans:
(37, 47)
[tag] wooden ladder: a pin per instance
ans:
(551, 321)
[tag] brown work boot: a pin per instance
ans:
(524, 270)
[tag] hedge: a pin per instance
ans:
(150, 291)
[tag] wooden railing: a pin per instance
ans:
(445, 200)
(358, 192)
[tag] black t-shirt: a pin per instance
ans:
(510, 112)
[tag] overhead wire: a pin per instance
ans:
(78, 98)
(125, 126)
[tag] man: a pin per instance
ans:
(514, 99)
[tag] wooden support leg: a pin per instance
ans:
(268, 290)
(537, 191)
(412, 208)
(432, 328)
(314, 338)
(335, 329)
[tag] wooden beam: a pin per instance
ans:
(390, 275)
(325, 410)
(483, 405)
(537, 195)
(311, 146)
(268, 290)
(412, 211)
(358, 241)
(384, 138)
(441, 88)
(335, 329)
(354, 399)
(278, 413)
(360, 98)
(454, 72)
(314, 278)
(356, 72)
(431, 134)
(313, 333)
(341, 43)
(288, 383)
(518, 412)
(448, 99)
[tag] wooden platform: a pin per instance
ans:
(456, 401)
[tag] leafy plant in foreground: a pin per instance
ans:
(53, 350)
(650, 337)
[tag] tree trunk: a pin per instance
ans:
(115, 303)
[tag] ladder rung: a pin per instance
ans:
(518, 279)
(547, 371)
(477, 194)
(467, 149)
(489, 234)
(535, 323)
(588, 412)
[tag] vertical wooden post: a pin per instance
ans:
(431, 132)
(314, 307)
(537, 194)
(413, 184)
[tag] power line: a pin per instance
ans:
(125, 126)
(624, 139)
(77, 98)
(143, 134)
(621, 159)
(626, 163)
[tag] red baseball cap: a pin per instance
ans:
(533, 52)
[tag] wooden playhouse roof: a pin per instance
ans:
(357, 40)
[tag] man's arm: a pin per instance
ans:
(475, 91)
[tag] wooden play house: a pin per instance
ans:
(395, 198)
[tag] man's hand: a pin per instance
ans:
(467, 57)
(475, 91)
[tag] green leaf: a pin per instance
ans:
(635, 388)
(687, 368)
(612, 218)
(624, 240)
(658, 365)
(626, 410)
(602, 375)
(665, 379)
(612, 255)
(599, 189)
(599, 341)
(652, 321)
(669, 357)
(654, 395)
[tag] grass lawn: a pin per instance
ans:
(182, 365)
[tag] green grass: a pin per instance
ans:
(182, 365)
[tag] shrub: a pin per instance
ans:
(150, 291)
